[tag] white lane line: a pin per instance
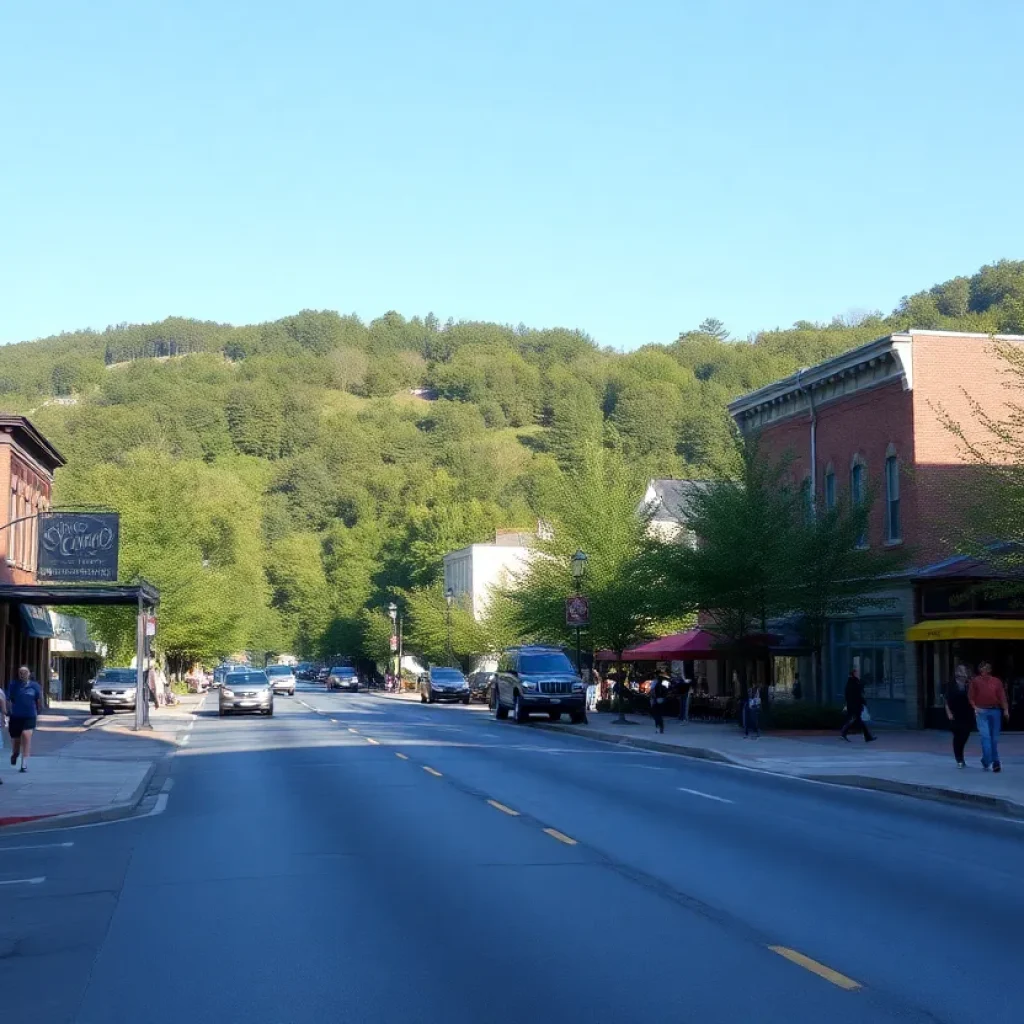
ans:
(167, 786)
(41, 846)
(24, 881)
(183, 742)
(707, 796)
(158, 808)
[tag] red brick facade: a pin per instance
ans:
(901, 416)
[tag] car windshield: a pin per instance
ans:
(279, 670)
(247, 679)
(548, 662)
(116, 675)
(447, 675)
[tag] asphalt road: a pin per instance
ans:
(356, 859)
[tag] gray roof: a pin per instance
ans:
(673, 497)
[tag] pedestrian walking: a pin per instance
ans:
(987, 697)
(659, 694)
(683, 689)
(857, 716)
(752, 713)
(25, 702)
(959, 712)
(593, 690)
(3, 721)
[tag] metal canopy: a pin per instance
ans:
(82, 593)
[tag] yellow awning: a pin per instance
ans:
(968, 629)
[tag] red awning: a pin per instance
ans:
(693, 643)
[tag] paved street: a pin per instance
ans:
(358, 859)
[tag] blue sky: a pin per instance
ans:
(624, 168)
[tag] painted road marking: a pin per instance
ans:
(560, 836)
(24, 881)
(815, 968)
(503, 808)
(183, 742)
(707, 796)
(404, 757)
(43, 846)
(356, 731)
(167, 786)
(370, 739)
(432, 771)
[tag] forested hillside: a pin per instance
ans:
(276, 480)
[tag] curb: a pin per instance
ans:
(917, 790)
(921, 791)
(114, 812)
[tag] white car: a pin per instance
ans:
(282, 679)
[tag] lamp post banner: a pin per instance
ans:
(577, 611)
(79, 547)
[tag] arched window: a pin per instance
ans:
(893, 526)
(830, 487)
(858, 490)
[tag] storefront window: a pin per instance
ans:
(876, 648)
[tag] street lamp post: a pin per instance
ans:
(579, 568)
(393, 613)
(449, 597)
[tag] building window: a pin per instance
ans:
(892, 498)
(830, 489)
(875, 647)
(12, 531)
(857, 492)
(807, 495)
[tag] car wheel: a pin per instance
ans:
(270, 713)
(430, 698)
(95, 711)
(519, 713)
(222, 713)
(465, 700)
(554, 715)
(500, 712)
(578, 718)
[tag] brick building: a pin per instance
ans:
(27, 465)
(870, 422)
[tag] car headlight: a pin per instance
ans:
(528, 686)
(226, 692)
(130, 693)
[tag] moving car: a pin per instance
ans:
(282, 679)
(343, 677)
(480, 684)
(113, 689)
(443, 684)
(246, 691)
(538, 679)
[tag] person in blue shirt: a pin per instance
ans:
(24, 702)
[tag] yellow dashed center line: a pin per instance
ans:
(560, 836)
(370, 739)
(503, 808)
(432, 771)
(815, 968)
(404, 757)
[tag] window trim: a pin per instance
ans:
(829, 492)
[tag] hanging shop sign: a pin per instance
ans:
(78, 547)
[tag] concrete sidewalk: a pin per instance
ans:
(916, 764)
(86, 769)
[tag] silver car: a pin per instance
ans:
(113, 689)
(282, 679)
(246, 693)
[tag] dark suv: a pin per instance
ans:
(531, 680)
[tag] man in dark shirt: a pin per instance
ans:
(24, 702)
(855, 708)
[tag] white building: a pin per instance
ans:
(667, 502)
(478, 569)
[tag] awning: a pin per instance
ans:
(37, 621)
(692, 643)
(968, 629)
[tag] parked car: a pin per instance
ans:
(480, 684)
(343, 677)
(538, 679)
(305, 670)
(443, 684)
(113, 689)
(282, 679)
(322, 674)
(245, 691)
